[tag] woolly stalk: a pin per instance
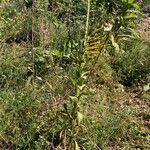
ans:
(87, 22)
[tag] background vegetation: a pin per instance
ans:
(74, 74)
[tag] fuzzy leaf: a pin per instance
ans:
(115, 45)
(146, 87)
(76, 146)
(79, 117)
(108, 27)
(73, 98)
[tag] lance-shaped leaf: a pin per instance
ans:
(79, 117)
(114, 44)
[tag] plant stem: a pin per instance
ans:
(87, 22)
(33, 48)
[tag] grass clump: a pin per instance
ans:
(26, 121)
(13, 65)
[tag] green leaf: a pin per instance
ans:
(136, 6)
(81, 87)
(73, 99)
(131, 24)
(146, 87)
(76, 146)
(79, 117)
(115, 45)
(130, 16)
(57, 53)
(131, 1)
(108, 27)
(84, 75)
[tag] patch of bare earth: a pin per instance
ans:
(143, 27)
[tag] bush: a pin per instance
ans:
(132, 66)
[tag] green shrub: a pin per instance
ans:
(132, 65)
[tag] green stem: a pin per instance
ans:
(87, 22)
